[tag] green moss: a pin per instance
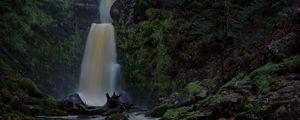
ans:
(211, 83)
(175, 113)
(256, 104)
(38, 110)
(5, 67)
(262, 77)
(33, 101)
(269, 68)
(51, 102)
(249, 107)
(158, 111)
(47, 106)
(30, 87)
(192, 88)
(292, 63)
(16, 116)
(263, 83)
(211, 100)
(230, 84)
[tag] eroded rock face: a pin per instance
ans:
(86, 13)
(79, 18)
(242, 97)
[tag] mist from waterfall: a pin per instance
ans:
(99, 66)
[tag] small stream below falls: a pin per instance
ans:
(131, 116)
(137, 113)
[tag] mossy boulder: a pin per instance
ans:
(211, 83)
(176, 113)
(264, 76)
(30, 87)
(158, 111)
(263, 83)
(193, 88)
(51, 101)
(269, 68)
(232, 83)
(291, 64)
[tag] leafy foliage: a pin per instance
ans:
(170, 44)
(27, 37)
(32, 52)
(147, 53)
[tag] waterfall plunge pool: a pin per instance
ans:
(131, 116)
(137, 113)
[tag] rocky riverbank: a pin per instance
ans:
(271, 91)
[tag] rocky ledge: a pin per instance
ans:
(272, 91)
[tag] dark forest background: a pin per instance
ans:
(165, 47)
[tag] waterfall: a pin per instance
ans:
(104, 8)
(99, 66)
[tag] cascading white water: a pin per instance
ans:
(99, 66)
(104, 8)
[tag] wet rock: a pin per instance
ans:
(287, 89)
(176, 113)
(228, 104)
(172, 99)
(244, 84)
(202, 94)
(265, 94)
(158, 111)
(293, 77)
(86, 12)
(72, 102)
(205, 115)
(112, 111)
(117, 116)
(232, 98)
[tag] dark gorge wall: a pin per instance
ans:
(163, 45)
(42, 44)
(86, 12)
(76, 23)
(44, 41)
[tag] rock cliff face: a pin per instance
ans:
(86, 13)
(76, 22)
(82, 14)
